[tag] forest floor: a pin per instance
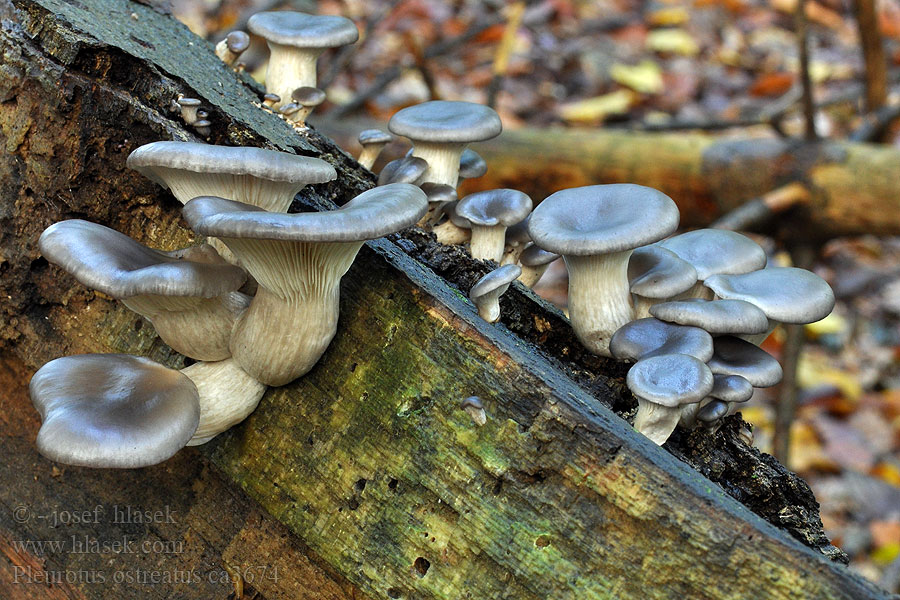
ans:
(724, 65)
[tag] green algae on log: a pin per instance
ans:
(369, 461)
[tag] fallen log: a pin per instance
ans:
(853, 189)
(373, 479)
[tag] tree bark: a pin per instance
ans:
(364, 477)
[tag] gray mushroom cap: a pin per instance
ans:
(446, 121)
(308, 96)
(714, 251)
(715, 316)
(439, 192)
(188, 101)
(207, 158)
(655, 272)
(670, 380)
(600, 219)
(731, 388)
(372, 214)
(374, 136)
(111, 262)
(533, 256)
(471, 165)
(403, 170)
(785, 294)
(645, 338)
(303, 30)
(495, 207)
(734, 356)
(712, 411)
(496, 279)
(113, 410)
(517, 233)
(237, 41)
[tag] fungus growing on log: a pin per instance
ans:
(296, 40)
(112, 410)
(487, 291)
(298, 261)
(595, 229)
(490, 212)
(193, 304)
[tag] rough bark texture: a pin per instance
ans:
(385, 486)
(852, 185)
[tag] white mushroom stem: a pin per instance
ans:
(489, 305)
(369, 154)
(698, 290)
(298, 117)
(225, 54)
(599, 298)
(487, 242)
(294, 315)
(447, 233)
(656, 421)
(273, 196)
(196, 327)
(189, 114)
(442, 159)
(227, 396)
(511, 254)
(531, 275)
(290, 68)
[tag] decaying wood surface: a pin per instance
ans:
(852, 185)
(364, 478)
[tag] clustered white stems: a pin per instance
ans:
(294, 315)
(599, 298)
(290, 68)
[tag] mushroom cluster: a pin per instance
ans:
(136, 412)
(257, 305)
(708, 295)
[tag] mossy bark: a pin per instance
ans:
(364, 477)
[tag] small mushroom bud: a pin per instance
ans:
(403, 170)
(486, 293)
(234, 44)
(373, 142)
(270, 100)
(304, 101)
(534, 262)
(202, 127)
(490, 212)
(454, 230)
(189, 108)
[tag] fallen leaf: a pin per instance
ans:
(814, 371)
(669, 15)
(672, 41)
(886, 472)
(772, 84)
(644, 77)
(597, 109)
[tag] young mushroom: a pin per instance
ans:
(373, 142)
(718, 317)
(656, 275)
(189, 108)
(595, 229)
(192, 304)
(440, 131)
(662, 386)
(403, 170)
(303, 101)
(112, 410)
(264, 178)
(298, 261)
(270, 100)
(490, 213)
(645, 338)
(713, 251)
(487, 291)
(454, 229)
(471, 166)
(728, 391)
(534, 263)
(784, 294)
(234, 44)
(296, 40)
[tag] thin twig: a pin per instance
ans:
(809, 106)
(803, 256)
(755, 213)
